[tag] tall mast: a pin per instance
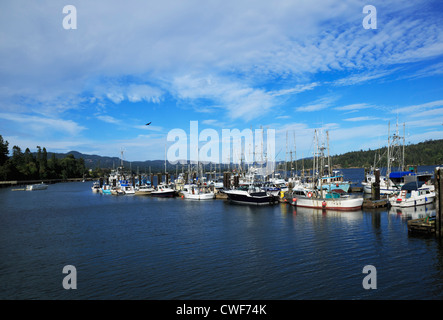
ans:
(295, 155)
(403, 156)
(329, 159)
(389, 155)
(165, 158)
(313, 158)
(286, 163)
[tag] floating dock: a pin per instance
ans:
(422, 226)
(373, 204)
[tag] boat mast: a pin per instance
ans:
(403, 156)
(389, 156)
(329, 159)
(295, 155)
(313, 159)
(286, 154)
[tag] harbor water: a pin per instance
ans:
(139, 247)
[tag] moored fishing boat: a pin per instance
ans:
(163, 191)
(331, 201)
(413, 194)
(194, 192)
(334, 181)
(144, 189)
(106, 189)
(40, 186)
(251, 195)
(271, 188)
(95, 187)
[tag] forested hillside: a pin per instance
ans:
(424, 153)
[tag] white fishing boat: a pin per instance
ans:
(386, 187)
(217, 184)
(144, 189)
(163, 190)
(194, 192)
(318, 197)
(413, 194)
(330, 201)
(40, 186)
(128, 189)
(96, 187)
(396, 181)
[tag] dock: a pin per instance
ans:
(373, 204)
(221, 195)
(422, 226)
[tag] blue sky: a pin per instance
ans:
(292, 66)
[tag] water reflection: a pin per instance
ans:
(414, 212)
(349, 216)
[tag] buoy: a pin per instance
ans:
(324, 204)
(294, 199)
(309, 194)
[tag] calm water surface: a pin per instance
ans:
(138, 247)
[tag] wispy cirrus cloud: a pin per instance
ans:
(317, 105)
(417, 109)
(363, 118)
(108, 119)
(39, 125)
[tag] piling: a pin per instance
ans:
(376, 186)
(227, 180)
(438, 183)
(236, 181)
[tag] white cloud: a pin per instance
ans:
(363, 118)
(354, 107)
(108, 119)
(297, 89)
(164, 40)
(42, 126)
(240, 101)
(363, 77)
(317, 105)
(417, 109)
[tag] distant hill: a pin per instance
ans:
(424, 153)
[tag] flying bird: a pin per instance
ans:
(148, 123)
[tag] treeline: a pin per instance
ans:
(27, 166)
(425, 153)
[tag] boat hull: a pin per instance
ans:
(34, 187)
(163, 194)
(411, 202)
(341, 204)
(258, 198)
(200, 196)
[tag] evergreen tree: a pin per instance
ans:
(4, 152)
